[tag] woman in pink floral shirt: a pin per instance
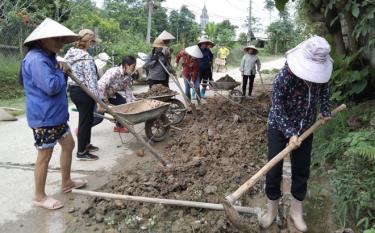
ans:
(118, 79)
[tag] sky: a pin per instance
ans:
(218, 10)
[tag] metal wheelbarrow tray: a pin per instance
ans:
(141, 110)
(225, 85)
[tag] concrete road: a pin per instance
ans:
(17, 157)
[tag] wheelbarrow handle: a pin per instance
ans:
(255, 178)
(119, 119)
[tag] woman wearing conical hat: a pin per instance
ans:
(205, 63)
(190, 68)
(250, 64)
(44, 83)
(156, 73)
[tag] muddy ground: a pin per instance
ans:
(211, 157)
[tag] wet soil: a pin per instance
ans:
(156, 90)
(226, 78)
(211, 158)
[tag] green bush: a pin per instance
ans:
(346, 147)
(9, 71)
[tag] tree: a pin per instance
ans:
(226, 33)
(183, 24)
(270, 6)
(350, 28)
(211, 29)
(242, 38)
(282, 34)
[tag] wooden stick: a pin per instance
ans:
(12, 109)
(119, 119)
(261, 80)
(255, 178)
(192, 204)
(186, 99)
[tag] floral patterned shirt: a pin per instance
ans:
(83, 68)
(190, 65)
(294, 103)
(115, 80)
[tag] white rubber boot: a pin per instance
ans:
(296, 214)
(266, 219)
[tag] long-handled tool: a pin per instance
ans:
(119, 119)
(231, 212)
(193, 204)
(187, 101)
(261, 81)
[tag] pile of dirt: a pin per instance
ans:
(139, 106)
(156, 90)
(226, 78)
(212, 156)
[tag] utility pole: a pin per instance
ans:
(150, 8)
(249, 37)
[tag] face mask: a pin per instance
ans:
(91, 50)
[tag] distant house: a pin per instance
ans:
(204, 18)
(261, 39)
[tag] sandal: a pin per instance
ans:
(48, 203)
(76, 185)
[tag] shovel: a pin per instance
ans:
(231, 212)
(187, 101)
(192, 204)
(119, 119)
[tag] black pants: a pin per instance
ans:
(117, 100)
(85, 106)
(206, 75)
(153, 82)
(244, 83)
(300, 160)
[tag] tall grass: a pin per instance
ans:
(345, 148)
(9, 71)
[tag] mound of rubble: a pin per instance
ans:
(212, 156)
(226, 78)
(156, 90)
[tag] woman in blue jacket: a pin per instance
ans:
(47, 115)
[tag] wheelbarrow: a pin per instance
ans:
(234, 94)
(176, 111)
(151, 112)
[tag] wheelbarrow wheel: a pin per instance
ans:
(157, 129)
(176, 112)
(236, 96)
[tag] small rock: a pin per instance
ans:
(71, 210)
(119, 204)
(202, 171)
(210, 189)
(140, 152)
(88, 224)
(99, 218)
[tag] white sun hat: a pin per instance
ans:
(310, 60)
(205, 40)
(103, 56)
(194, 51)
(51, 29)
(166, 36)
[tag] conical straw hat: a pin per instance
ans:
(166, 36)
(51, 29)
(205, 40)
(194, 51)
(158, 43)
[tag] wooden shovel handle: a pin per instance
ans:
(255, 178)
(119, 119)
